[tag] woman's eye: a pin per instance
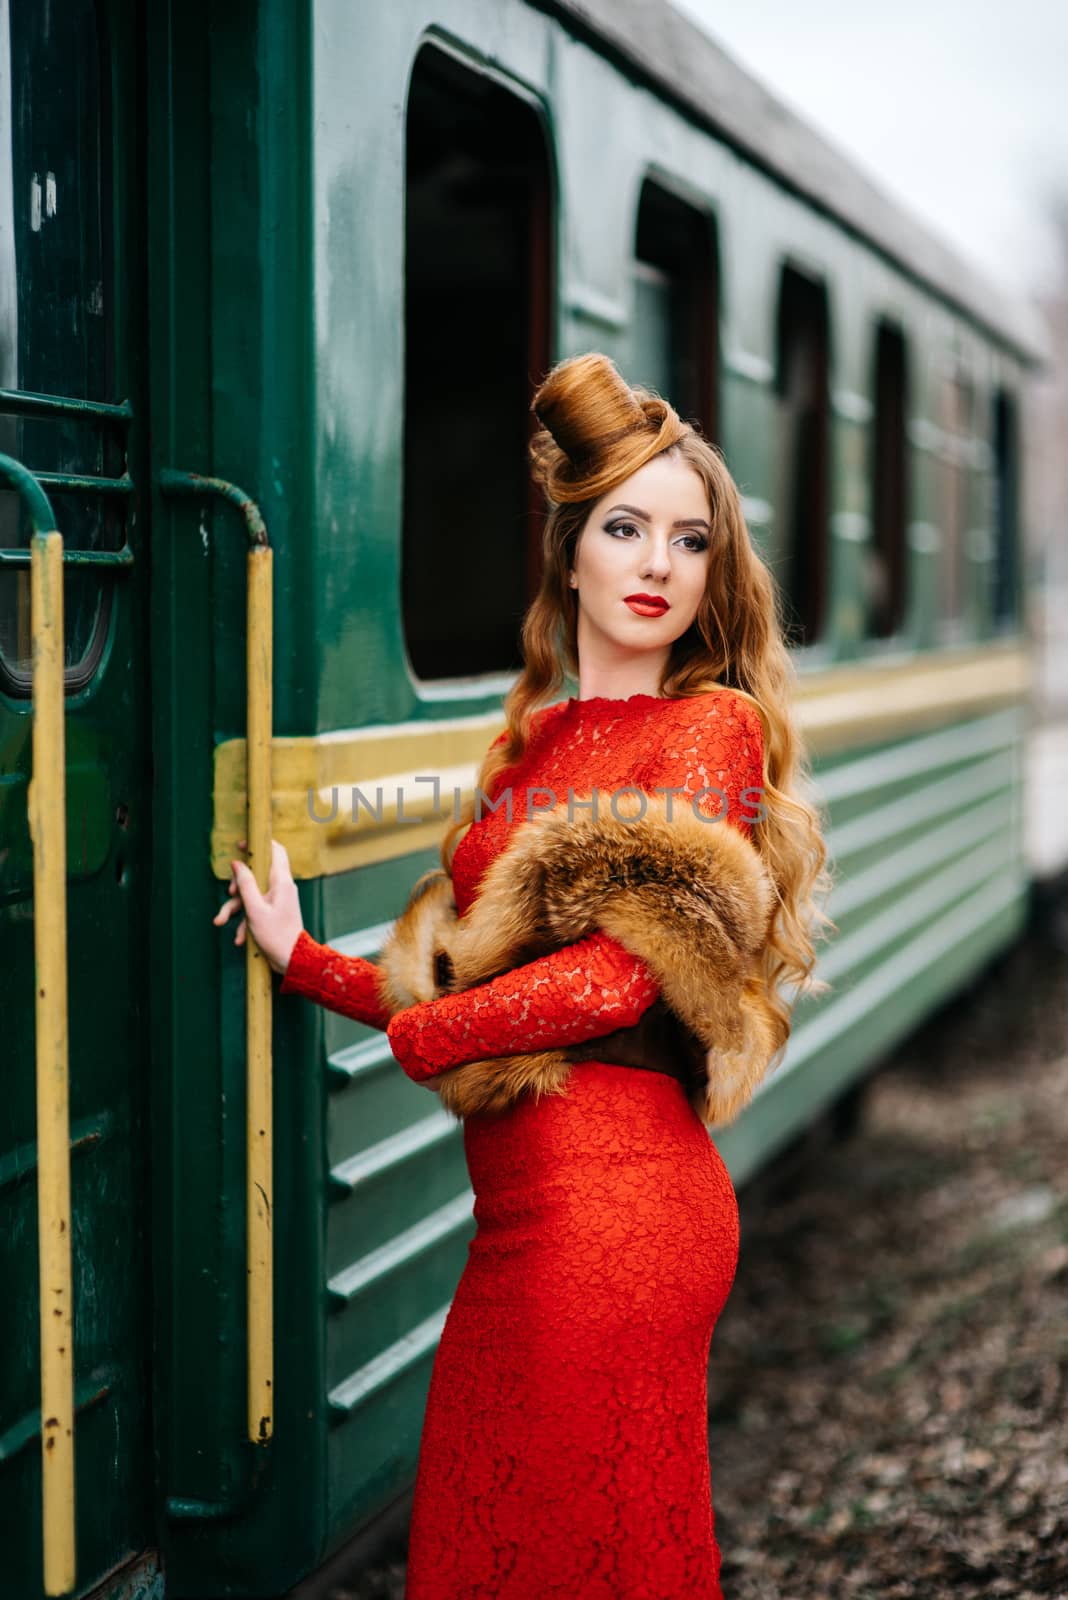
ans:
(698, 542)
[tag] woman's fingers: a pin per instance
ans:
(280, 869)
(236, 901)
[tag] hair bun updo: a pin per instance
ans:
(596, 429)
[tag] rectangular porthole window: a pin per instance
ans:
(803, 468)
(889, 485)
(1006, 511)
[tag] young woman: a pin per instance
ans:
(564, 1446)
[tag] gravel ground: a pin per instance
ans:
(888, 1378)
(887, 1385)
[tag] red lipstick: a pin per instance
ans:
(647, 605)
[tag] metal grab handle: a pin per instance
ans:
(47, 807)
(258, 1064)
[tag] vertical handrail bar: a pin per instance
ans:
(47, 815)
(258, 1045)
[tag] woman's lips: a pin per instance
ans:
(647, 608)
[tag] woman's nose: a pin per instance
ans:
(657, 564)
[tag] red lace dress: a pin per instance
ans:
(564, 1448)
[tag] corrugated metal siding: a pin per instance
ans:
(931, 873)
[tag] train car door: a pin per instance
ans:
(72, 342)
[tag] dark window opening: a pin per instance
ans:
(888, 567)
(1006, 495)
(477, 319)
(802, 479)
(676, 278)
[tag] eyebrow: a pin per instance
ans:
(687, 522)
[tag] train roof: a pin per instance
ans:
(657, 42)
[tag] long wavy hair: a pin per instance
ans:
(595, 431)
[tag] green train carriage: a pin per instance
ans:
(321, 255)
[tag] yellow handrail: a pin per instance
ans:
(259, 644)
(258, 1055)
(47, 816)
(48, 829)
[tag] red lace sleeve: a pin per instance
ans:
(347, 984)
(585, 990)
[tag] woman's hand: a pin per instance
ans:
(274, 917)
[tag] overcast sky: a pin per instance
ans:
(956, 107)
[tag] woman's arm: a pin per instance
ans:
(579, 992)
(346, 984)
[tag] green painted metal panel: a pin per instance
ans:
(79, 268)
(650, 357)
(228, 157)
(793, 1098)
(931, 882)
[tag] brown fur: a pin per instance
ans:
(692, 898)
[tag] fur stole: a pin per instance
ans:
(692, 898)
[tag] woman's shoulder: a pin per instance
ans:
(718, 731)
(715, 747)
(719, 710)
(544, 717)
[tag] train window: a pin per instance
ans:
(676, 291)
(477, 299)
(1006, 494)
(799, 552)
(956, 422)
(886, 596)
(55, 310)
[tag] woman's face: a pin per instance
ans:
(650, 536)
